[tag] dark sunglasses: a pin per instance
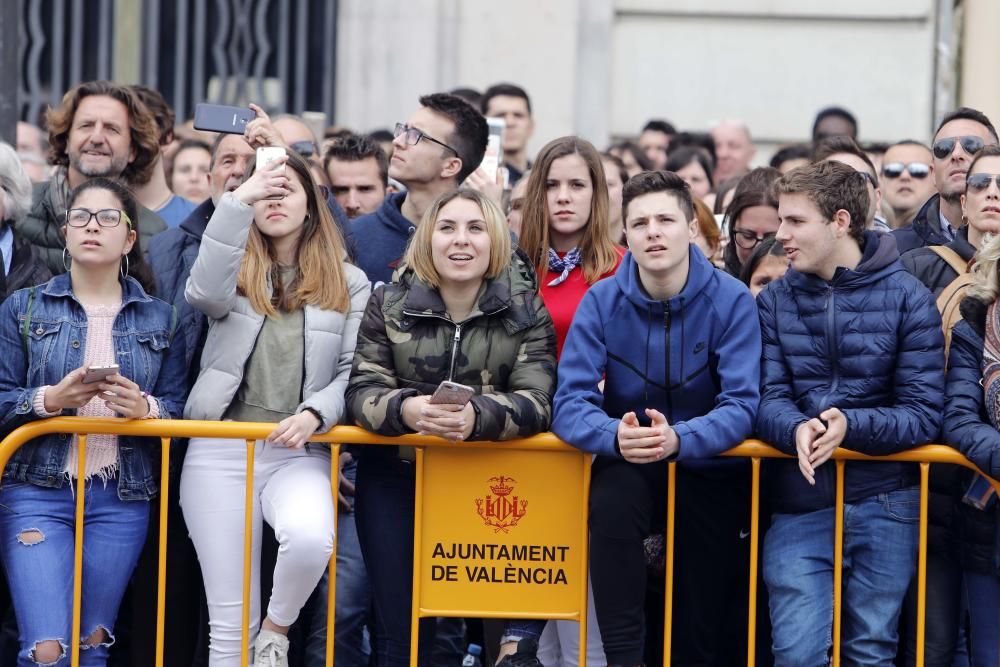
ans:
(979, 182)
(970, 144)
(304, 148)
(918, 170)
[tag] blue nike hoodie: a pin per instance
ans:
(695, 358)
(378, 240)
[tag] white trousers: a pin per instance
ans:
(559, 645)
(292, 493)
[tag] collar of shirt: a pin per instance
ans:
(946, 227)
(7, 247)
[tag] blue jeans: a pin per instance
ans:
(983, 592)
(353, 596)
(880, 555)
(36, 546)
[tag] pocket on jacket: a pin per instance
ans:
(152, 344)
(41, 338)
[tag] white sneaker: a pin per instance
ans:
(270, 650)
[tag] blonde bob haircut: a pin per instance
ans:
(320, 255)
(420, 257)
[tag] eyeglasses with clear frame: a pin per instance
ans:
(414, 135)
(106, 217)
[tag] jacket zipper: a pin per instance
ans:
(832, 350)
(666, 327)
(454, 350)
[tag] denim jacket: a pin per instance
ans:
(53, 344)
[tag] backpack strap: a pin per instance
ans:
(948, 304)
(954, 260)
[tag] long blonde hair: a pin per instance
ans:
(986, 281)
(320, 256)
(596, 248)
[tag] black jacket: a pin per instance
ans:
(925, 229)
(26, 268)
(934, 272)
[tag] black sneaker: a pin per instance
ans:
(525, 656)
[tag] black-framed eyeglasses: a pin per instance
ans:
(980, 181)
(748, 240)
(414, 135)
(304, 148)
(971, 144)
(918, 170)
(106, 217)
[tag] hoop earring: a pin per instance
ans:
(67, 259)
(123, 268)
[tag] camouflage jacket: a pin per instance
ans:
(505, 349)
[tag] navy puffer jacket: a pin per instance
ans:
(868, 342)
(967, 427)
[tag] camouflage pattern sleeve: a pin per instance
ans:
(525, 409)
(374, 399)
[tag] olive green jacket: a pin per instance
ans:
(505, 350)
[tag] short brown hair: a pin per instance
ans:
(144, 133)
(420, 257)
(649, 182)
(832, 186)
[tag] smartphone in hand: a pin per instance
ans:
(222, 118)
(452, 393)
(99, 373)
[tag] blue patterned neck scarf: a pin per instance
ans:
(564, 264)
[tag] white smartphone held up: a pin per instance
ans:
(268, 154)
(493, 158)
(452, 393)
(99, 373)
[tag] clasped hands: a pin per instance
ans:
(446, 420)
(816, 441)
(646, 444)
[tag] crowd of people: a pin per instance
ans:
(660, 301)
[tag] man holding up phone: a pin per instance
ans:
(687, 392)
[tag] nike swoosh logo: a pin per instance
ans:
(744, 534)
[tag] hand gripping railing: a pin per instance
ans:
(251, 432)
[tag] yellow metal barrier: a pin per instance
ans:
(251, 432)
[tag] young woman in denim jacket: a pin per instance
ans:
(96, 314)
(284, 308)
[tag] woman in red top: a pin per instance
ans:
(564, 226)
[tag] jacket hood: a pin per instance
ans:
(389, 214)
(879, 258)
(700, 271)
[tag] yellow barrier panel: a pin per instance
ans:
(250, 432)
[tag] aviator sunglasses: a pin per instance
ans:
(979, 182)
(918, 170)
(970, 144)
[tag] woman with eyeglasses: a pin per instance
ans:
(971, 423)
(284, 307)
(750, 218)
(92, 343)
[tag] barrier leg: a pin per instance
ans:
(81, 474)
(161, 575)
(668, 574)
(584, 561)
(331, 598)
(922, 564)
(247, 549)
(838, 560)
(418, 515)
(754, 541)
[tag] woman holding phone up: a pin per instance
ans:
(463, 309)
(89, 342)
(283, 307)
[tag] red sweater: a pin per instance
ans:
(563, 299)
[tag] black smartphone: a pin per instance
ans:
(222, 118)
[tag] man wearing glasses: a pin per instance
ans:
(960, 134)
(907, 182)
(440, 144)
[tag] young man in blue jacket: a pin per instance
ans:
(677, 344)
(853, 357)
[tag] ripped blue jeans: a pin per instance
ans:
(36, 548)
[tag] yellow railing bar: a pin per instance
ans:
(247, 561)
(584, 561)
(418, 524)
(81, 478)
(754, 543)
(668, 564)
(331, 589)
(161, 573)
(838, 560)
(250, 432)
(925, 469)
